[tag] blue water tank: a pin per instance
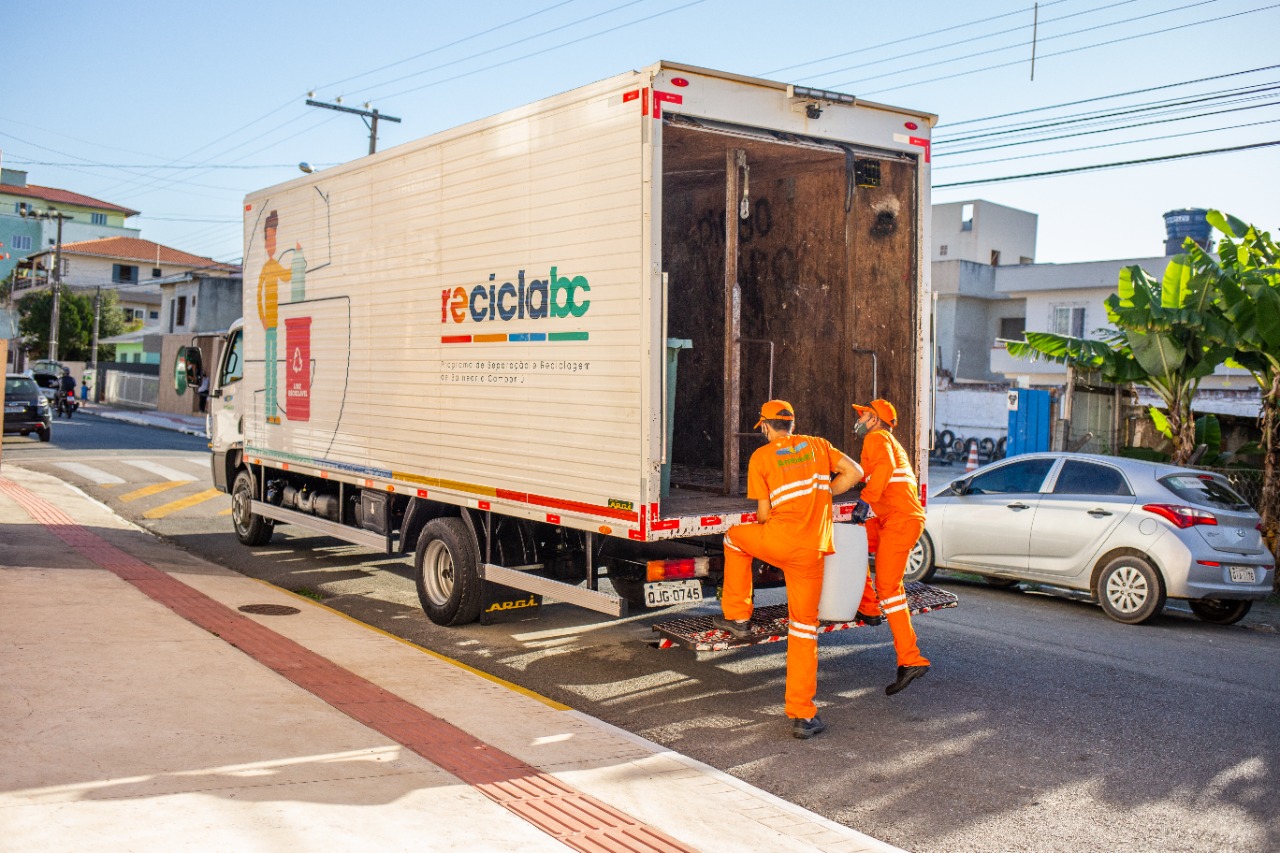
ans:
(1181, 224)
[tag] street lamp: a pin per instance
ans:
(60, 217)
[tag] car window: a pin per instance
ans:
(1088, 478)
(1016, 477)
(46, 380)
(1204, 490)
(233, 367)
(19, 386)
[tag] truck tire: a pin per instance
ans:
(447, 572)
(251, 529)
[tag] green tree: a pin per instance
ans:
(75, 322)
(1246, 277)
(1169, 335)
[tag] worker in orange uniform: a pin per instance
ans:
(892, 493)
(790, 478)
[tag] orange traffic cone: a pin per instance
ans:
(972, 464)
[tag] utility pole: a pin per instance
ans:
(365, 114)
(93, 353)
(56, 278)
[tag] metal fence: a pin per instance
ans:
(131, 389)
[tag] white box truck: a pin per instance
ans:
(528, 351)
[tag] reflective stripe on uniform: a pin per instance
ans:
(902, 475)
(728, 543)
(804, 635)
(801, 484)
(808, 489)
(895, 600)
(898, 609)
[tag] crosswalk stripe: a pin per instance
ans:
(155, 488)
(159, 470)
(182, 503)
(94, 475)
(201, 462)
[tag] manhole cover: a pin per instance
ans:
(269, 609)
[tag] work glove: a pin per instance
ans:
(861, 510)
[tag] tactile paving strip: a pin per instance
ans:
(579, 820)
(769, 624)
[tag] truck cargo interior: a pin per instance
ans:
(821, 241)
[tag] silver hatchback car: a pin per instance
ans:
(1130, 533)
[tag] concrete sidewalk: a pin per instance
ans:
(189, 424)
(153, 701)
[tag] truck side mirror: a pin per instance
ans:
(187, 369)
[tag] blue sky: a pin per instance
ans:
(178, 109)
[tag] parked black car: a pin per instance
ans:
(25, 409)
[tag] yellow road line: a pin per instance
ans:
(182, 503)
(226, 511)
(147, 491)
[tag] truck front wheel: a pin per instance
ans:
(446, 568)
(250, 529)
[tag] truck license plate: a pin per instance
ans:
(672, 592)
(1242, 574)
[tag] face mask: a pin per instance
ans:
(860, 429)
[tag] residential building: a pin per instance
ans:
(21, 237)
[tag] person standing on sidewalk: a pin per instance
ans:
(790, 479)
(892, 493)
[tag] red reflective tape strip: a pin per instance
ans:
(455, 339)
(711, 520)
(748, 518)
(579, 506)
(553, 519)
(669, 97)
(667, 524)
(508, 495)
(644, 101)
(482, 504)
(630, 96)
(923, 143)
(422, 493)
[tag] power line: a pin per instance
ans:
(1096, 147)
(1096, 115)
(1020, 44)
(1110, 129)
(1070, 50)
(1100, 166)
(1022, 11)
(1107, 97)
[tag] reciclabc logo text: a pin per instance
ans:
(554, 297)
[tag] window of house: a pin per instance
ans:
(966, 217)
(1025, 260)
(995, 258)
(180, 307)
(1069, 320)
(1011, 328)
(942, 250)
(20, 241)
(19, 206)
(97, 219)
(124, 274)
(154, 315)
(156, 272)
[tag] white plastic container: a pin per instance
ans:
(844, 574)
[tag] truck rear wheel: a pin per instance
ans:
(251, 529)
(447, 572)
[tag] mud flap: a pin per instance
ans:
(500, 603)
(769, 624)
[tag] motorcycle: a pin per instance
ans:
(67, 404)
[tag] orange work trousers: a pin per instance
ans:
(892, 539)
(802, 568)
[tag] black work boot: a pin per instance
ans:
(906, 675)
(805, 729)
(738, 628)
(868, 619)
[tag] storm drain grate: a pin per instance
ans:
(269, 609)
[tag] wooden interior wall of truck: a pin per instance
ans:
(827, 272)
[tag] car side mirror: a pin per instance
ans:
(960, 487)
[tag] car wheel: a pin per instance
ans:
(251, 529)
(1001, 583)
(44, 434)
(1218, 611)
(920, 565)
(1130, 590)
(447, 572)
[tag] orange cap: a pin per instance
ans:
(775, 410)
(882, 409)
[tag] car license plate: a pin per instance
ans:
(14, 407)
(1242, 574)
(672, 592)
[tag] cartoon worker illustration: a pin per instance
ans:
(269, 280)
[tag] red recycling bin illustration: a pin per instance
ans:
(297, 336)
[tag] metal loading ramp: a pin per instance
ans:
(769, 624)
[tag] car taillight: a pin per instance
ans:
(1182, 516)
(671, 570)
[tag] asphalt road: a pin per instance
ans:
(1042, 726)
